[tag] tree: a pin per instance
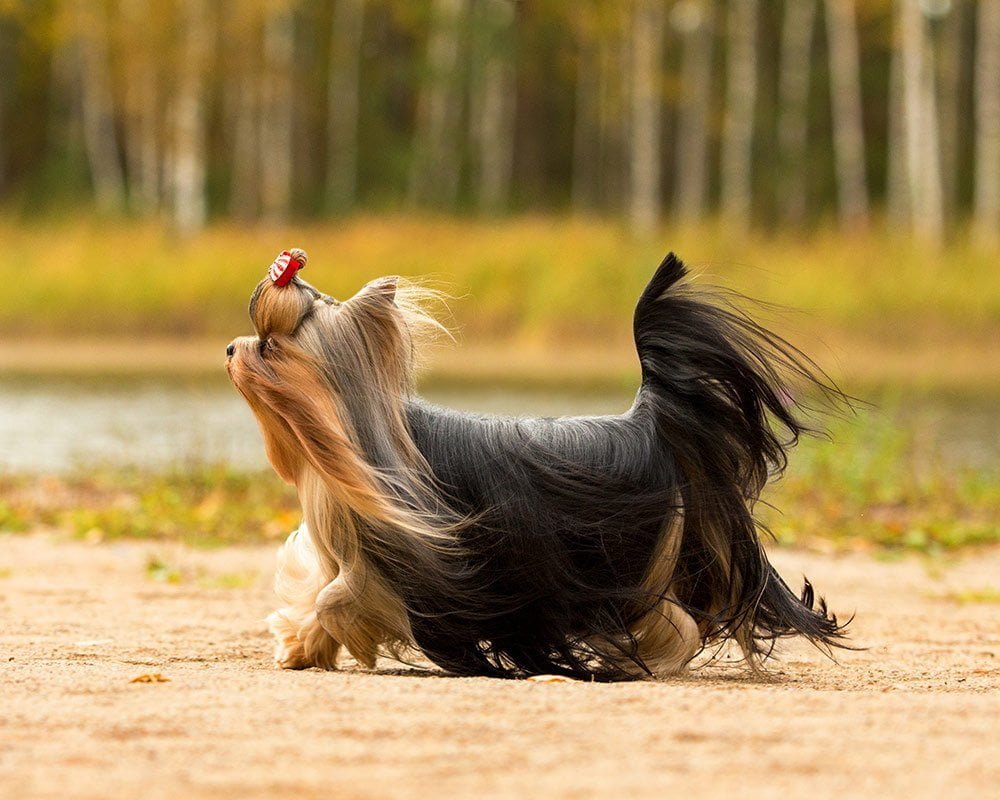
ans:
(793, 106)
(188, 157)
(346, 42)
(276, 114)
(923, 155)
(492, 103)
(695, 22)
(99, 134)
(436, 165)
(741, 101)
(986, 209)
(896, 141)
(646, 107)
(848, 127)
(142, 121)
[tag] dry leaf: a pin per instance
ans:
(551, 679)
(150, 677)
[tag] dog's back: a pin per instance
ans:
(568, 516)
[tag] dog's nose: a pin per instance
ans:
(230, 349)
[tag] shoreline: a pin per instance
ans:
(963, 364)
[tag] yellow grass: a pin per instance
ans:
(883, 308)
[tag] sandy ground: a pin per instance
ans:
(916, 715)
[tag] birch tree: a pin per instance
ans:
(343, 106)
(793, 106)
(986, 209)
(275, 119)
(247, 155)
(586, 112)
(436, 165)
(99, 134)
(646, 111)
(952, 104)
(923, 154)
(142, 140)
(897, 134)
(492, 104)
(741, 100)
(848, 126)
(187, 163)
(694, 21)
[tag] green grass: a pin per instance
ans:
(881, 483)
(536, 277)
(200, 505)
(877, 484)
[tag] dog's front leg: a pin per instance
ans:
(301, 641)
(340, 612)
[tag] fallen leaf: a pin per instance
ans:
(150, 677)
(551, 679)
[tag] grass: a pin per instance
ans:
(879, 483)
(532, 277)
(537, 298)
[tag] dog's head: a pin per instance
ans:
(326, 379)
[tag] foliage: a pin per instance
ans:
(538, 277)
(142, 47)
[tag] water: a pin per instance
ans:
(59, 425)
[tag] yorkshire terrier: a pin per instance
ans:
(607, 548)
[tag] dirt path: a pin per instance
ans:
(914, 716)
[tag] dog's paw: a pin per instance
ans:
(291, 655)
(289, 649)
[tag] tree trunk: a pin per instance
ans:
(923, 152)
(275, 132)
(492, 104)
(645, 172)
(142, 145)
(696, 26)
(436, 167)
(343, 107)
(848, 125)
(188, 113)
(586, 131)
(986, 213)
(741, 100)
(6, 68)
(244, 190)
(793, 107)
(100, 137)
(953, 110)
(897, 135)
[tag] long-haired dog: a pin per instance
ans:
(609, 547)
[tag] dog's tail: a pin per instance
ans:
(714, 384)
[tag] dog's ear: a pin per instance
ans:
(381, 291)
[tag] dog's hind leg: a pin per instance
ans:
(301, 641)
(667, 635)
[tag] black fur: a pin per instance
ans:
(564, 515)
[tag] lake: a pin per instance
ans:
(62, 424)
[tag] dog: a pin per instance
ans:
(598, 548)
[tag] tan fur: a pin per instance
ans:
(333, 595)
(667, 635)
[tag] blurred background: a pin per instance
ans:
(837, 159)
